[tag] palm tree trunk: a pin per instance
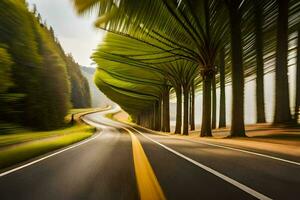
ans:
(297, 102)
(206, 110)
(146, 120)
(151, 125)
(186, 110)
(214, 103)
(152, 119)
(149, 120)
(153, 113)
(166, 109)
(138, 120)
(192, 107)
(178, 110)
(222, 117)
(157, 114)
(260, 99)
(282, 101)
(237, 121)
(143, 120)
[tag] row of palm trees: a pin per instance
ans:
(157, 47)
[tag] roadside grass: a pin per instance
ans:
(13, 139)
(21, 152)
(18, 147)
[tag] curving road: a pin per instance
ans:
(125, 162)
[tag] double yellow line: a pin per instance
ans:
(148, 185)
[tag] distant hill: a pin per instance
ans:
(98, 98)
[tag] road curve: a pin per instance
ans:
(104, 168)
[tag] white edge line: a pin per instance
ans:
(210, 170)
(51, 155)
(241, 150)
(235, 149)
(231, 148)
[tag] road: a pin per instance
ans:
(125, 162)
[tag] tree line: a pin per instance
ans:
(157, 47)
(39, 83)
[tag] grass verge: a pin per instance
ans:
(15, 148)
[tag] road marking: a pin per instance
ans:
(210, 170)
(231, 148)
(48, 156)
(63, 150)
(147, 182)
(240, 150)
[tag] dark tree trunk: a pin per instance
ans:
(186, 110)
(237, 122)
(166, 109)
(157, 114)
(214, 103)
(153, 113)
(222, 117)
(260, 99)
(151, 116)
(148, 119)
(206, 110)
(192, 107)
(297, 102)
(178, 110)
(152, 119)
(282, 100)
(138, 120)
(143, 120)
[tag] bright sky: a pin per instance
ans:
(75, 33)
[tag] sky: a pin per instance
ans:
(75, 33)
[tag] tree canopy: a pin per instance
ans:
(183, 41)
(38, 80)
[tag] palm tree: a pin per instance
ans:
(178, 125)
(193, 28)
(297, 102)
(166, 108)
(222, 116)
(282, 102)
(187, 78)
(214, 103)
(260, 100)
(235, 16)
(192, 106)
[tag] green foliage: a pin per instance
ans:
(16, 33)
(180, 40)
(6, 82)
(54, 80)
(80, 92)
(5, 70)
(38, 80)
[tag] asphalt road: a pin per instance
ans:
(103, 168)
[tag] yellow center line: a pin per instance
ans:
(148, 185)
